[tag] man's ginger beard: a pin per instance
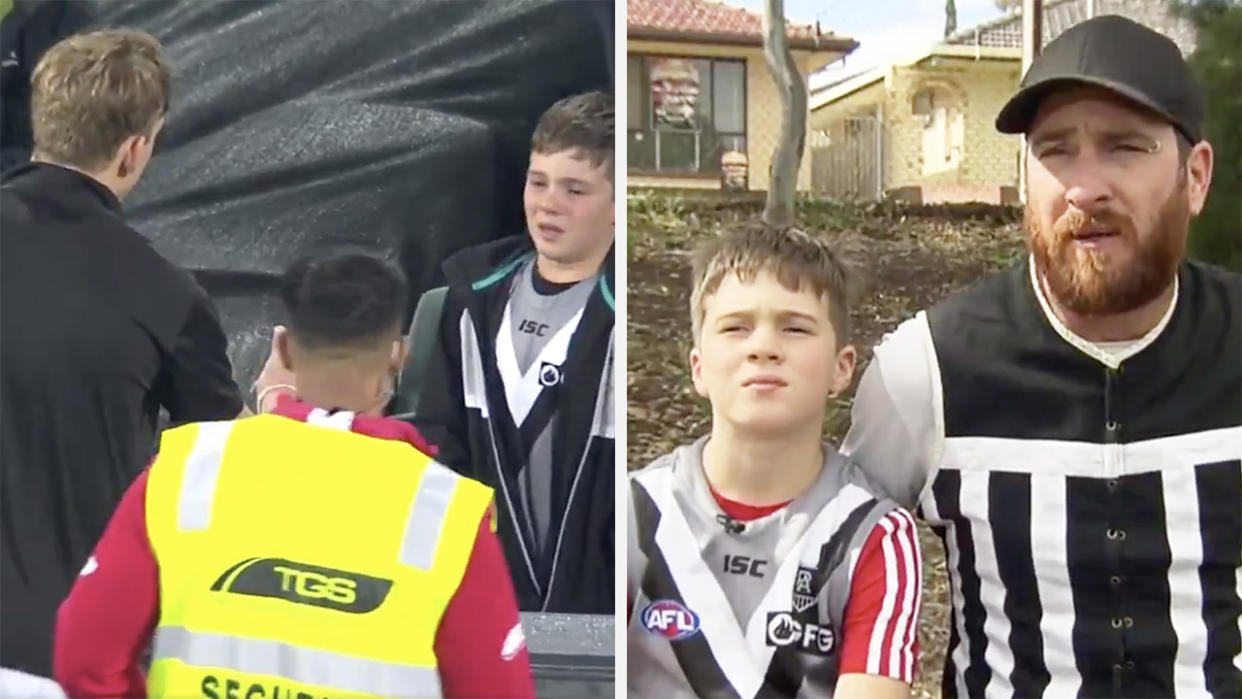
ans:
(1086, 281)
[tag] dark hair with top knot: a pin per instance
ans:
(345, 298)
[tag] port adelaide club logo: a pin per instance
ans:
(803, 595)
(670, 619)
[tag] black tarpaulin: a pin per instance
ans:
(399, 125)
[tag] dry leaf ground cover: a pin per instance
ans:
(904, 257)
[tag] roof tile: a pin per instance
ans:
(703, 17)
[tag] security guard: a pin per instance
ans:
(313, 551)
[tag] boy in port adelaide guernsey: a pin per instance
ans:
(518, 390)
(760, 561)
(315, 551)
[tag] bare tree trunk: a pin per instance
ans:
(1032, 31)
(792, 138)
(1032, 45)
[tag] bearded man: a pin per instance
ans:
(1072, 427)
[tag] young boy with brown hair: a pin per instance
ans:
(760, 562)
(518, 390)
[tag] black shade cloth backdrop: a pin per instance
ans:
(403, 126)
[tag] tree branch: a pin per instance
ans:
(792, 138)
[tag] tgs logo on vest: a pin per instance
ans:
(670, 619)
(304, 583)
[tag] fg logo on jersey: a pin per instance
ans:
(784, 630)
(549, 374)
(670, 619)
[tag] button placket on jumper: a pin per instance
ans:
(1120, 622)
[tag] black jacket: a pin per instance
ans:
(462, 409)
(29, 29)
(98, 332)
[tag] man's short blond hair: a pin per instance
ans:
(798, 260)
(92, 91)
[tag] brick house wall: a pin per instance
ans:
(976, 89)
(980, 86)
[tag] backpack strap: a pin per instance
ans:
(424, 329)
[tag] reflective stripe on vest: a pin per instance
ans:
(202, 467)
(307, 665)
(423, 528)
(427, 514)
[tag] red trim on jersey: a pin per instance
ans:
(112, 610)
(881, 618)
(743, 512)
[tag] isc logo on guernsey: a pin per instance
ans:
(670, 619)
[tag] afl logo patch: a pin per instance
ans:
(670, 619)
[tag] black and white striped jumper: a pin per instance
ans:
(1089, 496)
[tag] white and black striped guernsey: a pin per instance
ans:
(729, 609)
(1091, 509)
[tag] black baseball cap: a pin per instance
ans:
(1118, 54)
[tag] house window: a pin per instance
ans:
(685, 114)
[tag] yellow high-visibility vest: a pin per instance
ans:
(302, 560)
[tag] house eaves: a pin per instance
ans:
(977, 53)
(867, 78)
(847, 87)
(826, 44)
